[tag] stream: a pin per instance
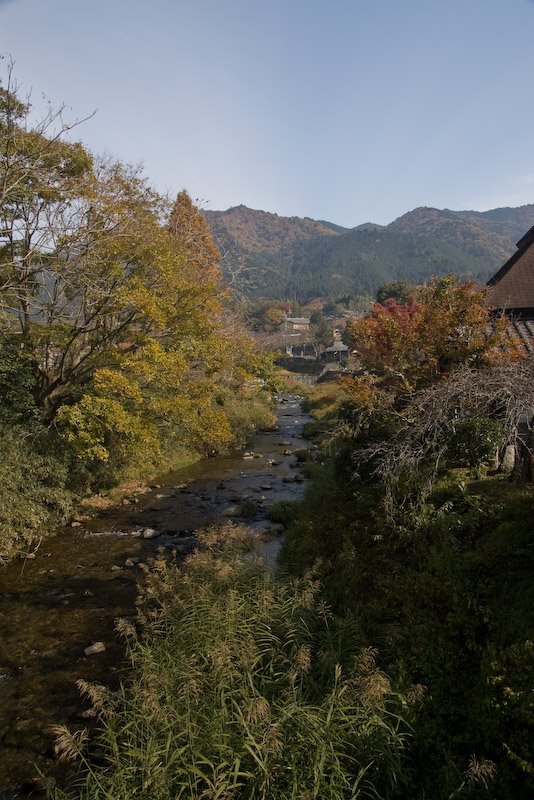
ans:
(66, 598)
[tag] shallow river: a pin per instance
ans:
(54, 606)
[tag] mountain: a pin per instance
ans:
(510, 223)
(454, 228)
(266, 255)
(258, 247)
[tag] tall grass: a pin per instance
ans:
(243, 687)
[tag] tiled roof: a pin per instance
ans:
(523, 329)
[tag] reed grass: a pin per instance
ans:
(243, 687)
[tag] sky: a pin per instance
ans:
(345, 110)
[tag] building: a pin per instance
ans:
(297, 325)
(338, 352)
(297, 336)
(511, 291)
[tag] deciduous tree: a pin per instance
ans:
(445, 326)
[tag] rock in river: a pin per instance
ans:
(93, 649)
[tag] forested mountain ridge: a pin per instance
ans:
(269, 255)
(455, 228)
(258, 246)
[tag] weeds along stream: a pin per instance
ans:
(66, 598)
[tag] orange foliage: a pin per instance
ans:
(447, 325)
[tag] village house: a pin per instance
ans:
(337, 353)
(297, 336)
(297, 325)
(511, 291)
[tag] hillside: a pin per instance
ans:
(454, 228)
(273, 256)
(258, 247)
(510, 223)
(358, 262)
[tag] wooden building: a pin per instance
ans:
(297, 324)
(338, 352)
(511, 290)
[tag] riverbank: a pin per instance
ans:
(67, 597)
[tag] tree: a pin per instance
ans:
(195, 237)
(400, 291)
(159, 381)
(323, 335)
(418, 341)
(331, 309)
(89, 277)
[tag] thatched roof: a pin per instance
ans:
(512, 287)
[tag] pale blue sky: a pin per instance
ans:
(346, 110)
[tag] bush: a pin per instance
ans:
(474, 441)
(33, 493)
(246, 413)
(284, 512)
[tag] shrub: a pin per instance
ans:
(246, 413)
(33, 493)
(284, 512)
(474, 441)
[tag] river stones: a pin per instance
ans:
(95, 648)
(231, 511)
(89, 713)
(150, 533)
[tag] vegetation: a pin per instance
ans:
(278, 257)
(118, 343)
(243, 687)
(400, 291)
(392, 657)
(421, 540)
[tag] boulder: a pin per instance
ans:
(508, 459)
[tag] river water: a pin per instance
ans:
(54, 606)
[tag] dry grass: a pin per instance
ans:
(245, 689)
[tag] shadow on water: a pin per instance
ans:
(68, 597)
